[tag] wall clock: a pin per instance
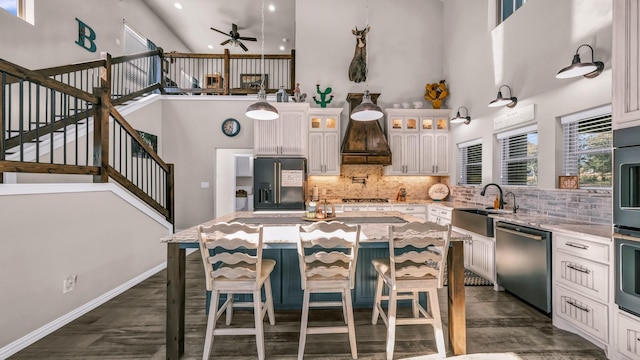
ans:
(231, 127)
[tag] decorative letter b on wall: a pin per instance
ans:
(86, 36)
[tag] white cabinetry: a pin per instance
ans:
(419, 211)
(625, 63)
(419, 141)
(324, 141)
(479, 254)
(440, 214)
(581, 288)
(285, 136)
(627, 335)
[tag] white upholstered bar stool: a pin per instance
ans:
(235, 267)
(328, 253)
(417, 257)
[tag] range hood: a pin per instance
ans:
(364, 142)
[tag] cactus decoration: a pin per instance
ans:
(323, 96)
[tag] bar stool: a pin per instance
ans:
(417, 257)
(236, 267)
(328, 253)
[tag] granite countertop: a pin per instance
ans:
(281, 227)
(552, 223)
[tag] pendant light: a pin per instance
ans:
(367, 110)
(261, 109)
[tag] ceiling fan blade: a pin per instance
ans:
(226, 42)
(247, 38)
(221, 32)
(242, 46)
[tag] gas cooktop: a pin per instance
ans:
(366, 200)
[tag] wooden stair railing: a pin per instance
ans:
(46, 128)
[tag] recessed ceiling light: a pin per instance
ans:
(272, 7)
(210, 46)
(178, 6)
(281, 47)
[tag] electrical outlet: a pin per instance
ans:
(69, 283)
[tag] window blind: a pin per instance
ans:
(587, 144)
(470, 162)
(519, 156)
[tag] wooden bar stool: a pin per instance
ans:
(417, 257)
(236, 267)
(328, 253)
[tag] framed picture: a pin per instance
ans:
(568, 182)
(252, 81)
(139, 151)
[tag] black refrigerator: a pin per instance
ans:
(279, 183)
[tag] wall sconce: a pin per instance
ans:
(577, 68)
(459, 119)
(510, 101)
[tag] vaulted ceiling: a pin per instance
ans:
(192, 24)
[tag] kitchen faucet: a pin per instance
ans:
(499, 189)
(515, 207)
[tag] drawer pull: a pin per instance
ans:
(578, 246)
(578, 268)
(577, 306)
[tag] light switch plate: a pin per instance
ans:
(204, 185)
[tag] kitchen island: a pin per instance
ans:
(280, 237)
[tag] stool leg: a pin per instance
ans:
(377, 301)
(434, 309)
(269, 299)
(344, 308)
(211, 323)
(257, 310)
(350, 323)
(391, 329)
(303, 323)
(229, 309)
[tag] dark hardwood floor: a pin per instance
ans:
(131, 326)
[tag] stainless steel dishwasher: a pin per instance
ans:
(523, 263)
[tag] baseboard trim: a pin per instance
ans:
(56, 324)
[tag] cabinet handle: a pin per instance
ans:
(577, 306)
(409, 209)
(436, 168)
(578, 268)
(577, 246)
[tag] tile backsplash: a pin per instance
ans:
(369, 181)
(593, 206)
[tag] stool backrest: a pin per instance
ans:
(418, 250)
(328, 251)
(237, 251)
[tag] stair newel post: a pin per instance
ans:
(101, 135)
(292, 70)
(161, 71)
(170, 195)
(227, 71)
(3, 79)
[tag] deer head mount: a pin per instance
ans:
(358, 67)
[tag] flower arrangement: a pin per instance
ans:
(436, 93)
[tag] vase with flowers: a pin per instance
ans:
(436, 93)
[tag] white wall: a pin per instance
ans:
(51, 233)
(404, 48)
(51, 40)
(525, 52)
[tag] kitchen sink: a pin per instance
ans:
(474, 220)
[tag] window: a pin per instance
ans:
(19, 8)
(588, 146)
(508, 7)
(470, 162)
(519, 156)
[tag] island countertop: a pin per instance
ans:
(281, 227)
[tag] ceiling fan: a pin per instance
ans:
(234, 37)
